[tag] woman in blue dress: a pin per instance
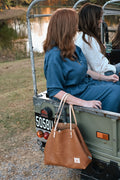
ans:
(65, 67)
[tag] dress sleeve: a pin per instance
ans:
(54, 73)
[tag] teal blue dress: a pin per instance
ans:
(71, 77)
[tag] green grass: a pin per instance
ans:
(16, 104)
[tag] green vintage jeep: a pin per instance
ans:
(100, 129)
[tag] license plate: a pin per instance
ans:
(43, 123)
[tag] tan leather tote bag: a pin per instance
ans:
(65, 145)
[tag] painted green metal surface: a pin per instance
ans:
(89, 122)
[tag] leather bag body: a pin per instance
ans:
(66, 147)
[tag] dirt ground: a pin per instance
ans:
(20, 156)
(11, 13)
(26, 162)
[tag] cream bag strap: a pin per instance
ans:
(60, 105)
(63, 100)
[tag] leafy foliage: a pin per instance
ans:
(7, 34)
(17, 2)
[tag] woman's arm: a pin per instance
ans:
(77, 101)
(97, 76)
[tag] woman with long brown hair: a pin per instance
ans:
(65, 67)
(89, 40)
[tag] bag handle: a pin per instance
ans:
(66, 94)
(72, 110)
(70, 120)
(63, 100)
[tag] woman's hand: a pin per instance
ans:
(113, 78)
(94, 104)
(101, 77)
(80, 102)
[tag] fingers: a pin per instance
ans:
(97, 105)
(115, 78)
(115, 75)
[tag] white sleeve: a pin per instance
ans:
(95, 59)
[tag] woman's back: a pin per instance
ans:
(95, 59)
(90, 19)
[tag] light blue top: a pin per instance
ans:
(65, 74)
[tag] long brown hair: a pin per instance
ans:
(89, 17)
(61, 31)
(116, 40)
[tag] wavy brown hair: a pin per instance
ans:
(116, 39)
(89, 17)
(62, 28)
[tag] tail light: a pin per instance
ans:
(102, 135)
(46, 135)
(40, 134)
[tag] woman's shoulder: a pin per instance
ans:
(53, 51)
(53, 55)
(79, 41)
(79, 36)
